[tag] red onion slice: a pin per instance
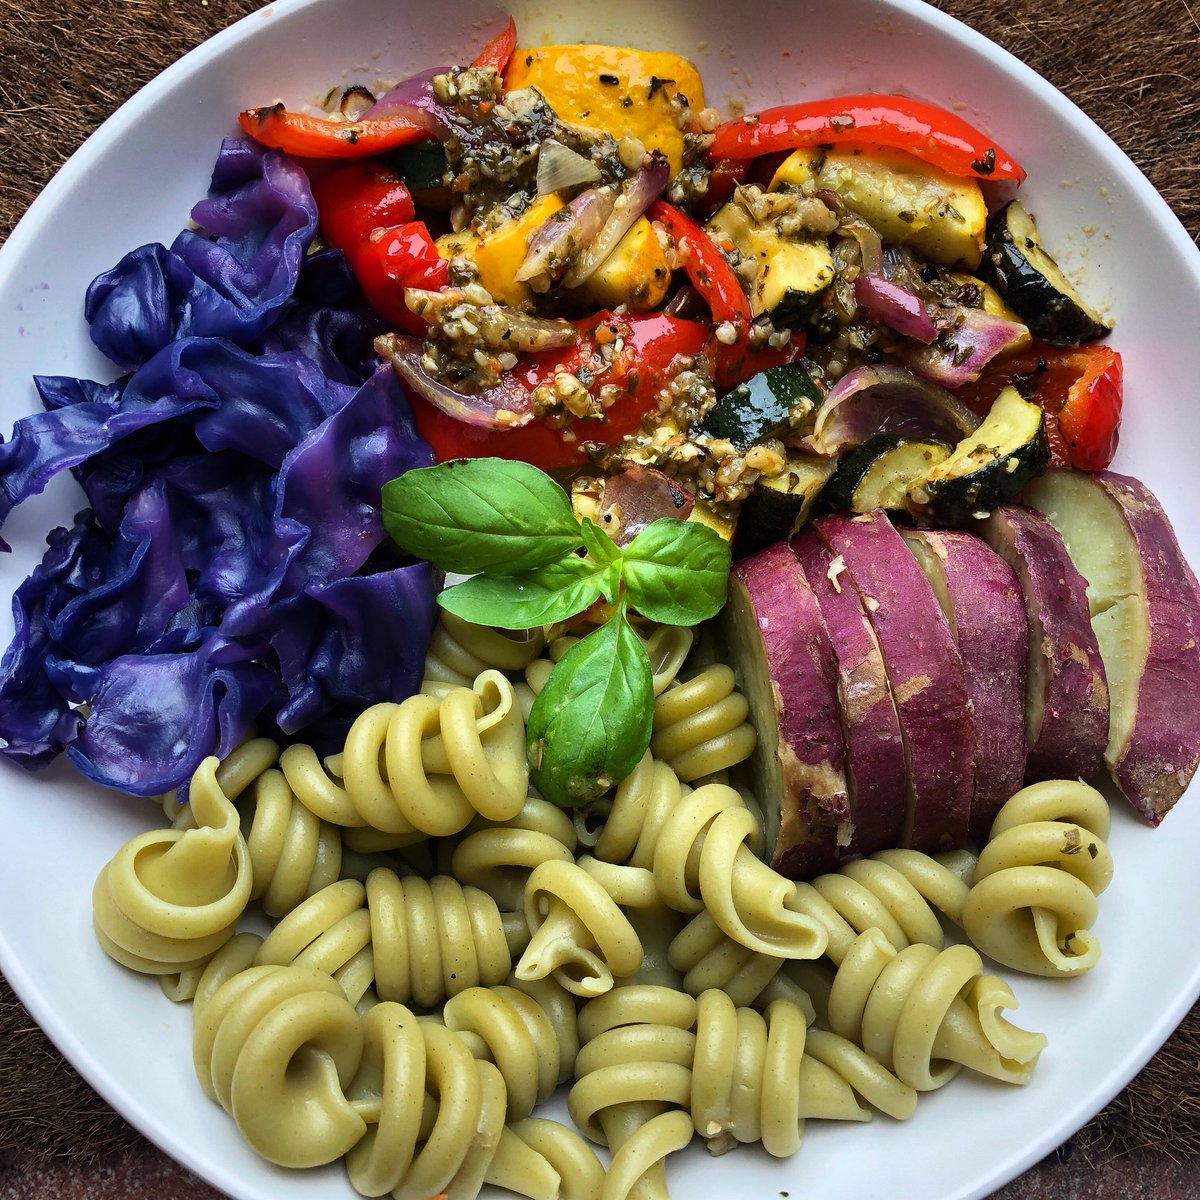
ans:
(641, 190)
(961, 353)
(413, 98)
(885, 399)
(851, 225)
(504, 406)
(562, 235)
(894, 307)
(639, 496)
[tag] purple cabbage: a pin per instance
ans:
(262, 218)
(344, 645)
(233, 566)
(155, 717)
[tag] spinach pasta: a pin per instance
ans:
(1034, 896)
(449, 949)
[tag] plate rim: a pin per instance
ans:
(76, 1051)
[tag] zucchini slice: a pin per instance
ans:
(779, 506)
(763, 406)
(989, 467)
(1033, 284)
(788, 277)
(879, 473)
(422, 166)
(908, 202)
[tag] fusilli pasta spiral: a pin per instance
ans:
(424, 767)
(700, 847)
(633, 1083)
(756, 1079)
(897, 892)
(709, 959)
(415, 941)
(170, 898)
(435, 1122)
(497, 856)
(578, 932)
(700, 725)
(533, 1053)
(292, 851)
(276, 1047)
(459, 652)
(1037, 879)
(924, 1013)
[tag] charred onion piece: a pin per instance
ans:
(560, 238)
(637, 497)
(961, 353)
(640, 191)
(560, 167)
(890, 305)
(413, 99)
(873, 400)
(504, 406)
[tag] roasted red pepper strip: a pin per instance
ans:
(1090, 418)
(354, 201)
(645, 365)
(1081, 390)
(869, 122)
(391, 260)
(319, 137)
(499, 50)
(718, 286)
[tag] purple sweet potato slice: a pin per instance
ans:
(775, 634)
(1145, 609)
(925, 672)
(1066, 691)
(875, 771)
(980, 595)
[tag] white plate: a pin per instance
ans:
(135, 180)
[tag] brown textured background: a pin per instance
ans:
(66, 65)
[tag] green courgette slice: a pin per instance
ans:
(770, 402)
(879, 473)
(422, 166)
(779, 506)
(1033, 284)
(989, 467)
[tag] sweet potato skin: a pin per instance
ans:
(987, 616)
(1069, 740)
(925, 672)
(1155, 759)
(1156, 765)
(875, 770)
(813, 807)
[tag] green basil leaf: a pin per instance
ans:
(597, 542)
(591, 723)
(481, 514)
(610, 582)
(677, 571)
(527, 599)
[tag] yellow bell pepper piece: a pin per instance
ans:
(498, 253)
(613, 89)
(635, 274)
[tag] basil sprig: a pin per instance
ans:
(511, 528)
